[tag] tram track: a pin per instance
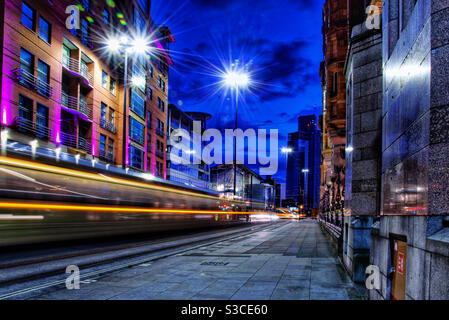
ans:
(112, 257)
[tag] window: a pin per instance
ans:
(104, 79)
(112, 84)
(143, 5)
(85, 32)
(43, 76)
(139, 74)
(106, 16)
(151, 71)
(44, 29)
(135, 157)
(27, 67)
(160, 104)
(136, 130)
(102, 145)
(28, 16)
(41, 121)
(111, 115)
(139, 22)
(334, 83)
(25, 108)
(150, 94)
(137, 104)
(103, 114)
(85, 4)
(110, 147)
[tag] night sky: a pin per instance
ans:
(279, 40)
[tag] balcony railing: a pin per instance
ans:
(85, 73)
(72, 103)
(84, 145)
(71, 141)
(106, 156)
(71, 64)
(108, 125)
(28, 80)
(68, 140)
(32, 128)
(85, 109)
(69, 101)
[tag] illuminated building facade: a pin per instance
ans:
(338, 17)
(189, 146)
(62, 89)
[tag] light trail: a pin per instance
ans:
(97, 177)
(112, 209)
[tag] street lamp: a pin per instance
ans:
(236, 80)
(126, 46)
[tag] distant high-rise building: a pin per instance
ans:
(303, 164)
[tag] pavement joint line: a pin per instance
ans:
(123, 266)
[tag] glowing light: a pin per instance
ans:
(113, 44)
(138, 81)
(112, 209)
(33, 165)
(286, 150)
(4, 136)
(305, 170)
(139, 46)
(57, 152)
(236, 79)
(34, 144)
(349, 149)
(4, 117)
(77, 158)
(89, 19)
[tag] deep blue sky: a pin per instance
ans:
(281, 39)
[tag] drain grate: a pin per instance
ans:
(214, 263)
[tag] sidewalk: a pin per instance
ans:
(292, 260)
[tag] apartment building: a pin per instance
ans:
(185, 145)
(63, 90)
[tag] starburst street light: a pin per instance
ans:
(286, 150)
(236, 79)
(137, 45)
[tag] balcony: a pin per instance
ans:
(75, 68)
(29, 127)
(106, 156)
(85, 109)
(84, 145)
(108, 125)
(71, 102)
(71, 64)
(28, 80)
(71, 141)
(85, 73)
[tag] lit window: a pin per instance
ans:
(28, 16)
(44, 29)
(136, 157)
(112, 85)
(136, 131)
(104, 79)
(137, 104)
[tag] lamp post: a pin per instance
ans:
(236, 80)
(125, 45)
